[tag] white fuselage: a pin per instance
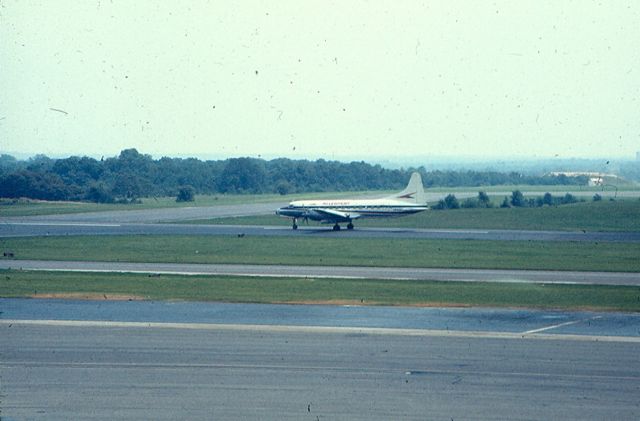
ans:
(346, 210)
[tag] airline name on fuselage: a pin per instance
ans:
(321, 204)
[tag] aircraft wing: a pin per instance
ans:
(336, 215)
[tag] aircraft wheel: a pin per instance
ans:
(336, 227)
(295, 227)
(350, 226)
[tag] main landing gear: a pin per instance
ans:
(336, 227)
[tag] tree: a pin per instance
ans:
(242, 175)
(483, 200)
(99, 193)
(8, 163)
(547, 199)
(35, 185)
(131, 175)
(283, 187)
(517, 199)
(451, 202)
(186, 194)
(597, 197)
(127, 187)
(40, 163)
(505, 203)
(568, 198)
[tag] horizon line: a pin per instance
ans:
(23, 156)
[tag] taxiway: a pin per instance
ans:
(102, 360)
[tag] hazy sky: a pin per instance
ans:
(320, 79)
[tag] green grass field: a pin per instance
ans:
(585, 256)
(320, 291)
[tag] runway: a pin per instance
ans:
(90, 360)
(10, 228)
(433, 274)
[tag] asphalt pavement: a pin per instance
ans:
(517, 322)
(363, 272)
(145, 360)
(11, 228)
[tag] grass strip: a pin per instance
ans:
(316, 291)
(464, 254)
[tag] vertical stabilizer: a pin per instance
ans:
(414, 192)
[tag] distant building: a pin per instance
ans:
(595, 181)
(595, 178)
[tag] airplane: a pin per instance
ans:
(409, 201)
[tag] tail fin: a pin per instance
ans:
(414, 192)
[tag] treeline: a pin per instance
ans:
(132, 175)
(516, 200)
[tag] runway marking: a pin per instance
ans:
(65, 224)
(324, 329)
(573, 322)
(454, 231)
(196, 273)
(391, 273)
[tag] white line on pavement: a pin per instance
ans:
(573, 322)
(322, 329)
